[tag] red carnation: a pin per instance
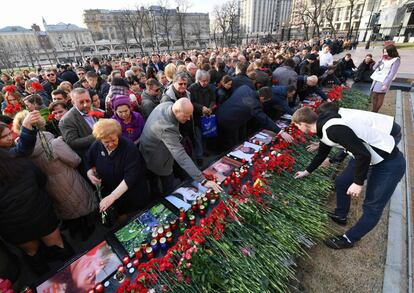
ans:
(12, 109)
(96, 114)
(37, 86)
(10, 88)
(51, 117)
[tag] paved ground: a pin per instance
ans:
(360, 269)
(409, 124)
(407, 64)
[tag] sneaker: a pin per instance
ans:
(338, 242)
(337, 219)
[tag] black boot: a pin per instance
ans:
(37, 263)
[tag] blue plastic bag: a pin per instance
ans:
(208, 125)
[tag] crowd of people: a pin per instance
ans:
(131, 128)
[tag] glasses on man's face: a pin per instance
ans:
(81, 73)
(182, 83)
(50, 74)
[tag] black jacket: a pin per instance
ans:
(242, 106)
(242, 79)
(69, 75)
(201, 97)
(25, 206)
(49, 87)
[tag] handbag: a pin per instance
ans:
(208, 126)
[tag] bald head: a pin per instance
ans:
(183, 109)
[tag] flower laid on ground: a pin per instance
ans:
(247, 242)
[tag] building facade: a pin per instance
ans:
(67, 36)
(153, 28)
(360, 19)
(264, 16)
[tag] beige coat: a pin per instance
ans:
(71, 195)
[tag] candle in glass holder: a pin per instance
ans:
(149, 252)
(202, 210)
(173, 224)
(169, 237)
(192, 220)
(121, 269)
(135, 263)
(99, 288)
(205, 202)
(154, 245)
(194, 206)
(167, 228)
(154, 235)
(212, 201)
(138, 252)
(125, 260)
(160, 232)
(163, 243)
(144, 245)
(182, 213)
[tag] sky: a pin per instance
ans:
(55, 11)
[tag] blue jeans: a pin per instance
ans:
(381, 183)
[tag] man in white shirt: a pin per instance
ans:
(325, 56)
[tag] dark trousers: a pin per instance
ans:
(160, 185)
(381, 183)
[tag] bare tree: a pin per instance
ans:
(6, 56)
(329, 15)
(166, 22)
(29, 52)
(134, 20)
(232, 14)
(220, 23)
(149, 23)
(122, 26)
(182, 7)
(313, 10)
(351, 12)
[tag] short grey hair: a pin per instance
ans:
(180, 75)
(79, 91)
(201, 74)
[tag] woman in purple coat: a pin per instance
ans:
(132, 123)
(384, 74)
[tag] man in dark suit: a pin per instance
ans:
(77, 124)
(156, 63)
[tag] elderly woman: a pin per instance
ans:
(72, 197)
(132, 123)
(116, 164)
(203, 98)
